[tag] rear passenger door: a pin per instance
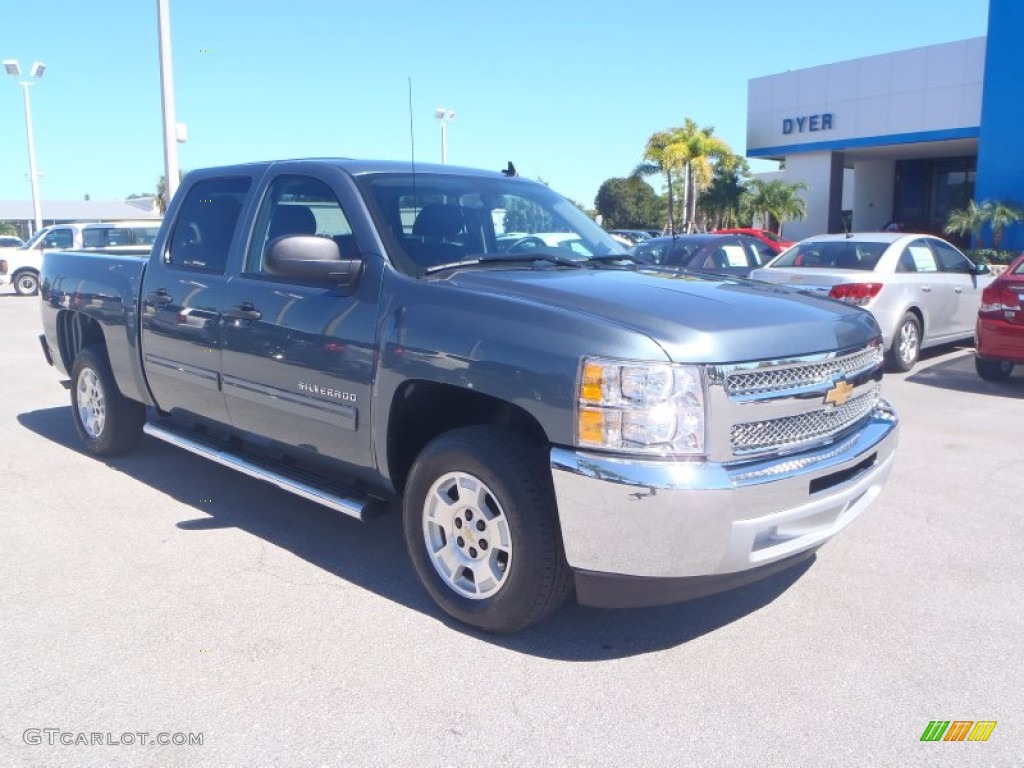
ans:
(963, 285)
(182, 295)
(927, 287)
(298, 354)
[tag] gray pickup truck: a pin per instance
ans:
(550, 414)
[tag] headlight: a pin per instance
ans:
(653, 408)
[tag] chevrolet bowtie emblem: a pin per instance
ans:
(839, 394)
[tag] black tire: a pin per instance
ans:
(906, 344)
(107, 422)
(531, 578)
(25, 282)
(993, 370)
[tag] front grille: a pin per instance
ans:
(746, 381)
(791, 432)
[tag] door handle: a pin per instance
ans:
(159, 296)
(926, 288)
(244, 311)
(958, 289)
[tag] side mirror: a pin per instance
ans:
(982, 269)
(308, 257)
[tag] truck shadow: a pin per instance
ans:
(958, 374)
(372, 554)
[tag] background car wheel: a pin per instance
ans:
(906, 344)
(107, 423)
(482, 532)
(26, 283)
(993, 370)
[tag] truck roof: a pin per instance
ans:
(358, 166)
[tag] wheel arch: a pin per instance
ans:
(75, 332)
(422, 410)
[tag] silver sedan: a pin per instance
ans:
(921, 290)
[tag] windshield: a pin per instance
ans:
(833, 254)
(30, 243)
(434, 219)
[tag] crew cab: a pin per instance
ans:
(547, 418)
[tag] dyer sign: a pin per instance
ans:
(808, 123)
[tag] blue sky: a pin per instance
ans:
(568, 91)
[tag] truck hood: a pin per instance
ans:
(695, 319)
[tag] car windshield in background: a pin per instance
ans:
(833, 254)
(436, 219)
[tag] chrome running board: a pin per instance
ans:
(340, 499)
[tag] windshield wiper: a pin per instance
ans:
(507, 258)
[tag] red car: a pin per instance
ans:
(999, 338)
(772, 240)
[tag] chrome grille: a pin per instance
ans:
(793, 431)
(746, 381)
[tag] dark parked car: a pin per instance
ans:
(9, 241)
(734, 255)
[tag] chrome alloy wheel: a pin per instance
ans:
(467, 535)
(92, 403)
(909, 342)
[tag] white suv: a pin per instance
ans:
(20, 266)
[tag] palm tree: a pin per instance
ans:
(664, 153)
(997, 214)
(970, 219)
(721, 202)
(1000, 215)
(702, 147)
(778, 200)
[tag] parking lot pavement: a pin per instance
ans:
(160, 593)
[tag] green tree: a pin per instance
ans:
(9, 228)
(629, 203)
(161, 190)
(665, 153)
(967, 220)
(995, 214)
(702, 151)
(776, 200)
(721, 203)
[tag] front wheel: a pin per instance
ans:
(26, 283)
(993, 370)
(906, 344)
(481, 529)
(107, 422)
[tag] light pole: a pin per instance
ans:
(167, 100)
(444, 115)
(14, 70)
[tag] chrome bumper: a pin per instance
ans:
(673, 519)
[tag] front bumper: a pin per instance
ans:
(677, 520)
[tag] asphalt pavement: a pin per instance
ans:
(160, 594)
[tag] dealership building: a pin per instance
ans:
(902, 137)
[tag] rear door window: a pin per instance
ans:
(206, 224)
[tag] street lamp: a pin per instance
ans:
(172, 132)
(444, 115)
(13, 69)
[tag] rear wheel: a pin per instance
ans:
(26, 282)
(481, 529)
(993, 370)
(107, 423)
(906, 344)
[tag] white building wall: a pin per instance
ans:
(915, 91)
(815, 170)
(873, 194)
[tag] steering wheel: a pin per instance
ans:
(526, 244)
